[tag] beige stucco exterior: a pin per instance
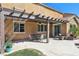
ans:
(31, 27)
(64, 28)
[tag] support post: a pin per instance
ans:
(47, 31)
(2, 33)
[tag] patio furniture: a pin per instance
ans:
(69, 37)
(60, 37)
(35, 37)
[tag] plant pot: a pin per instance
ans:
(8, 49)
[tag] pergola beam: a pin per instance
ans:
(48, 17)
(37, 15)
(51, 18)
(43, 16)
(12, 11)
(22, 13)
(30, 15)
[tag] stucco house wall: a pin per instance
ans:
(31, 27)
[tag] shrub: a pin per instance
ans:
(73, 29)
(27, 52)
(77, 32)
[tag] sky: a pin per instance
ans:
(65, 7)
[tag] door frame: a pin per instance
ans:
(54, 28)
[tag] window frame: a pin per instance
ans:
(39, 24)
(19, 22)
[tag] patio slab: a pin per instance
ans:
(53, 48)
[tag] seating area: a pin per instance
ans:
(66, 37)
(35, 37)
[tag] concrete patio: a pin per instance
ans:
(53, 48)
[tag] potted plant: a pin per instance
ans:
(8, 46)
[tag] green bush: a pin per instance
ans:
(27, 52)
(77, 32)
(73, 29)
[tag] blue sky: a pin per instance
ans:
(65, 7)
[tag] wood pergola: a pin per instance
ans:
(23, 15)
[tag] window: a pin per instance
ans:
(42, 27)
(18, 27)
(45, 28)
(21, 27)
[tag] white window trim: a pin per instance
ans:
(23, 22)
(40, 28)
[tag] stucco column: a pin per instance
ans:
(2, 33)
(47, 31)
